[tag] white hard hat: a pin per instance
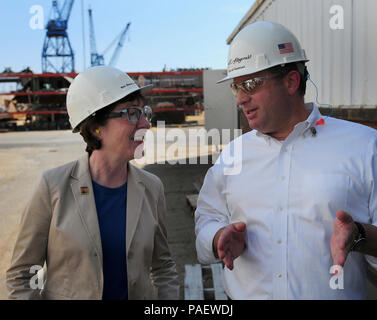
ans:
(262, 45)
(96, 88)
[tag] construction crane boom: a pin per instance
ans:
(66, 10)
(116, 53)
(95, 58)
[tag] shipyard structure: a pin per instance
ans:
(38, 101)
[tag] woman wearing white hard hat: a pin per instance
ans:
(97, 223)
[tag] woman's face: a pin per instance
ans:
(121, 138)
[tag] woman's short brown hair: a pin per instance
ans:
(99, 119)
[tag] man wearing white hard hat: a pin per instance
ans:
(98, 222)
(299, 220)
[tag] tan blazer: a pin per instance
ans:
(60, 227)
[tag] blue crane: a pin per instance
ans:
(97, 59)
(117, 50)
(57, 53)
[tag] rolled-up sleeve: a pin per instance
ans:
(211, 214)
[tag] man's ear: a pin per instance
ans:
(292, 82)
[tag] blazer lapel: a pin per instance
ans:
(135, 196)
(82, 190)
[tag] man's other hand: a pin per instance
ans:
(342, 237)
(230, 242)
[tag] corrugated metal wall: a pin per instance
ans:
(343, 61)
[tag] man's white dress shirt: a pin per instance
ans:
(288, 193)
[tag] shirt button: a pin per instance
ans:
(280, 208)
(285, 149)
(279, 241)
(282, 177)
(279, 275)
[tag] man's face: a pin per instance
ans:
(264, 107)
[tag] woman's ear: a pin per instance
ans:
(96, 133)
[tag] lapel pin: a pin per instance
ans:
(84, 190)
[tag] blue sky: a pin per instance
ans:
(175, 33)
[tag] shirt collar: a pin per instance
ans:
(314, 115)
(303, 126)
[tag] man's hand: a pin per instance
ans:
(230, 242)
(342, 238)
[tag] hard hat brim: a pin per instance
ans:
(230, 77)
(225, 79)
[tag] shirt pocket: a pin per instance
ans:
(323, 194)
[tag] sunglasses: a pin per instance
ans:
(250, 85)
(133, 114)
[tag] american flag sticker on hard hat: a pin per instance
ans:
(286, 48)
